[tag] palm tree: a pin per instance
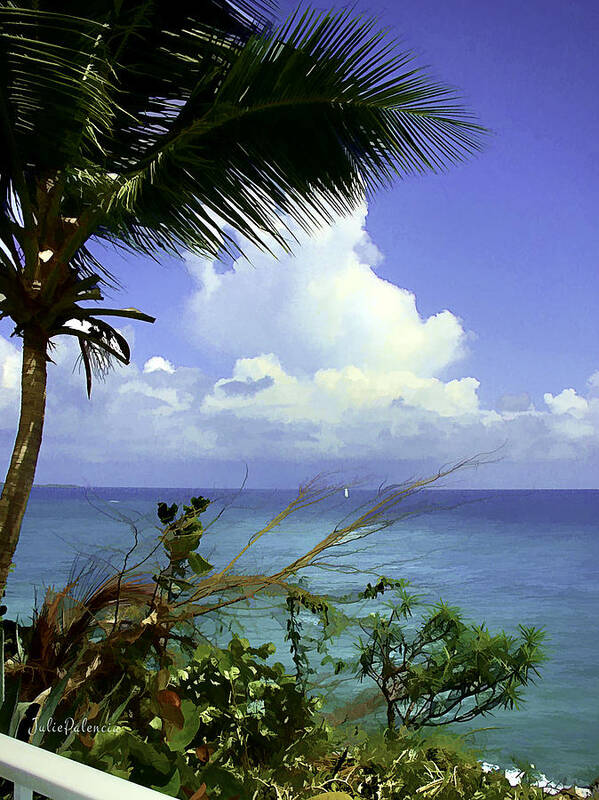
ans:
(145, 125)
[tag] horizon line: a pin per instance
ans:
(341, 487)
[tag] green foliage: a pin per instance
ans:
(406, 768)
(173, 729)
(180, 538)
(250, 711)
(300, 644)
(416, 766)
(11, 709)
(446, 670)
(157, 703)
(238, 725)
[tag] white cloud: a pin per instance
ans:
(157, 364)
(324, 308)
(328, 394)
(593, 381)
(326, 360)
(353, 359)
(263, 411)
(10, 369)
(567, 402)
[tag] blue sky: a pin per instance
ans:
(506, 245)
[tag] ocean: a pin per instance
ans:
(504, 557)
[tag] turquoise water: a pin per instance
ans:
(505, 557)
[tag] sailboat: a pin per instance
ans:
(346, 492)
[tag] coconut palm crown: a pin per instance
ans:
(147, 125)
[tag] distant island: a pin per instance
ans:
(57, 486)
(52, 485)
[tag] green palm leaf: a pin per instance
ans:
(306, 121)
(146, 125)
(56, 87)
(96, 80)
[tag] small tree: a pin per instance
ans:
(445, 670)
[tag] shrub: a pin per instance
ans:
(446, 670)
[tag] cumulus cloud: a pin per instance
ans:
(323, 308)
(263, 411)
(567, 402)
(321, 359)
(320, 338)
(158, 364)
(329, 394)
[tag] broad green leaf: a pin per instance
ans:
(218, 778)
(172, 787)
(8, 709)
(149, 755)
(179, 547)
(53, 699)
(180, 739)
(203, 651)
(199, 564)
(332, 796)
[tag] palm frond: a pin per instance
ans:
(100, 347)
(100, 343)
(172, 117)
(306, 121)
(101, 79)
(146, 125)
(57, 87)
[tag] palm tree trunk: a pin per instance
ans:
(21, 471)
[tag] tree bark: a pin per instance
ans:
(390, 713)
(21, 471)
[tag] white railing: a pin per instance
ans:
(32, 769)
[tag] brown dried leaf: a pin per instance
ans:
(203, 752)
(170, 707)
(86, 740)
